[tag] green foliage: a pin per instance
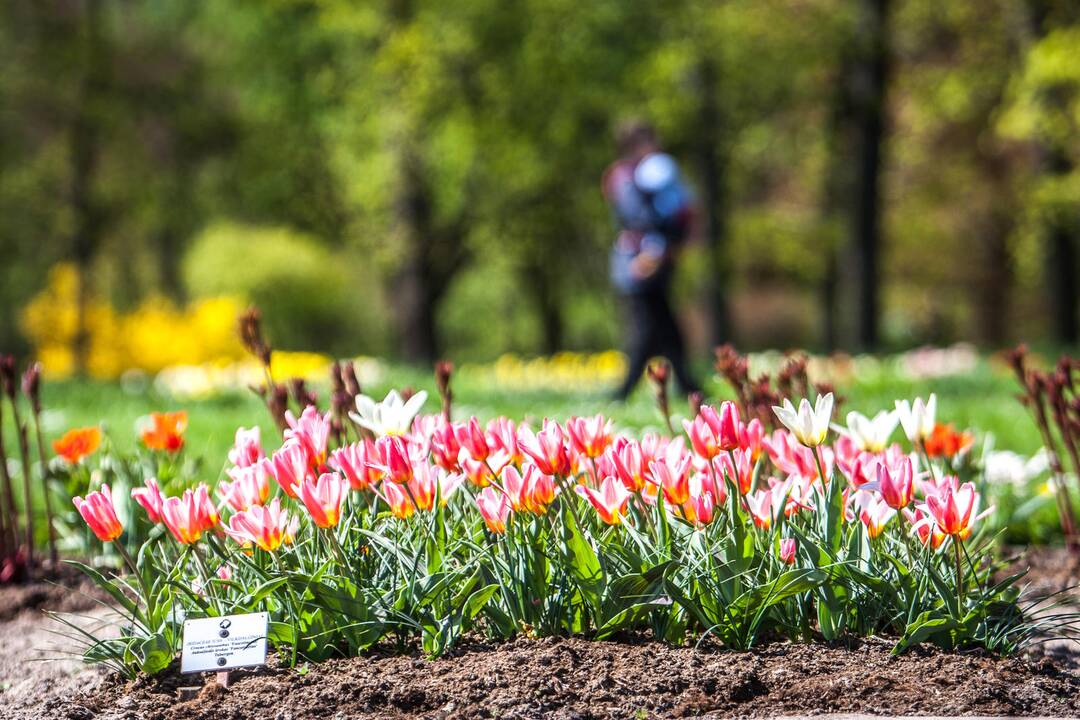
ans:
(311, 296)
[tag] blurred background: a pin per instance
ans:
(411, 179)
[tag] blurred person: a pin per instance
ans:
(653, 212)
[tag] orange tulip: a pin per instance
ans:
(166, 431)
(77, 444)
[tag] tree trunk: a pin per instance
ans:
(871, 80)
(711, 164)
(83, 155)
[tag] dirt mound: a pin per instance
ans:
(575, 678)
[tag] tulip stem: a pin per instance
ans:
(959, 574)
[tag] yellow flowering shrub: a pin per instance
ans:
(155, 335)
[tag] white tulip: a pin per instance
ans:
(871, 434)
(810, 425)
(917, 418)
(392, 416)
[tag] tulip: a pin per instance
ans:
(516, 488)
(727, 426)
(289, 466)
(250, 485)
(401, 505)
(917, 418)
(589, 436)
(392, 416)
(809, 425)
(395, 458)
(166, 431)
(448, 484)
(477, 471)
(77, 444)
(224, 572)
(311, 431)
(702, 438)
(359, 463)
(323, 497)
(741, 472)
(267, 526)
(629, 463)
(502, 438)
(946, 442)
(788, 546)
(99, 512)
(871, 435)
(547, 448)
(764, 506)
(896, 485)
(188, 517)
(700, 508)
(150, 498)
(874, 513)
(471, 437)
(247, 447)
(954, 508)
(674, 481)
(610, 500)
(751, 436)
(923, 526)
(445, 447)
(539, 489)
(423, 485)
(494, 508)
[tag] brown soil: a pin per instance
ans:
(64, 590)
(562, 678)
(575, 678)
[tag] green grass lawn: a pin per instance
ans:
(982, 400)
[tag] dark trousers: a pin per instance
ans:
(653, 331)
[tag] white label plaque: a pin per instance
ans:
(224, 643)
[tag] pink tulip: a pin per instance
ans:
(401, 505)
(311, 431)
(674, 481)
(266, 526)
(629, 463)
(700, 508)
(289, 467)
(610, 500)
(247, 448)
(150, 498)
(751, 436)
(494, 508)
(502, 438)
(764, 505)
(359, 463)
(702, 437)
(224, 572)
(189, 516)
(395, 458)
(471, 437)
(954, 508)
(589, 436)
(788, 546)
(874, 512)
(896, 485)
(547, 448)
(741, 472)
(477, 471)
(925, 527)
(539, 488)
(99, 512)
(445, 447)
(323, 497)
(250, 485)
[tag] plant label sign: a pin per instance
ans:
(224, 643)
